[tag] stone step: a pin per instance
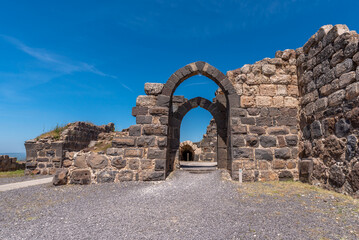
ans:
(193, 166)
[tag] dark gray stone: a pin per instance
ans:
(143, 119)
(243, 153)
(154, 176)
(351, 147)
(118, 162)
(146, 141)
(285, 176)
(316, 129)
(342, 127)
(156, 154)
(268, 141)
(282, 153)
(291, 140)
(238, 141)
(336, 176)
(160, 164)
(81, 176)
(135, 130)
(125, 175)
(106, 176)
(264, 154)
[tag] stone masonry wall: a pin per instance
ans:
(329, 117)
(44, 155)
(265, 128)
(208, 144)
(10, 164)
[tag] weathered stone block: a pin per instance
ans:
(278, 164)
(61, 177)
(252, 141)
(263, 101)
(285, 176)
(257, 130)
(159, 111)
(153, 88)
(146, 164)
(97, 161)
(342, 127)
(344, 67)
(155, 130)
(243, 153)
(316, 129)
(124, 142)
(125, 175)
(160, 164)
(80, 161)
(143, 119)
(82, 177)
(118, 162)
(135, 130)
(146, 101)
(282, 153)
(291, 140)
(153, 176)
(264, 154)
(106, 176)
(352, 91)
(132, 152)
(147, 141)
(238, 141)
(277, 131)
(247, 101)
(156, 154)
(268, 141)
(133, 164)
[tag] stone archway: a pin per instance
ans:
(187, 151)
(165, 99)
(218, 112)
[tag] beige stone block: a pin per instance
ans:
(278, 101)
(249, 165)
(293, 90)
(282, 90)
(291, 102)
(278, 164)
(250, 90)
(281, 79)
(263, 101)
(247, 101)
(267, 89)
(291, 164)
(263, 165)
(336, 98)
(352, 91)
(268, 69)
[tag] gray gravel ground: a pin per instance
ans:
(21, 179)
(185, 206)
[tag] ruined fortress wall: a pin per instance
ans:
(208, 144)
(10, 164)
(328, 82)
(265, 129)
(43, 156)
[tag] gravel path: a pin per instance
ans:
(21, 179)
(185, 206)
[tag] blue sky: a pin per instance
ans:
(64, 61)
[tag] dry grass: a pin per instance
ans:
(279, 189)
(54, 134)
(17, 173)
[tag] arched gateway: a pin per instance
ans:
(219, 111)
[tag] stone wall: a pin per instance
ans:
(328, 82)
(208, 144)
(10, 164)
(44, 155)
(265, 128)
